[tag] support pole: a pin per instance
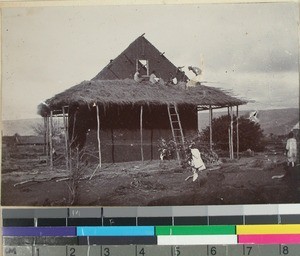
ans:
(198, 120)
(47, 139)
(210, 127)
(237, 133)
(229, 143)
(98, 135)
(66, 138)
(45, 135)
(50, 140)
(231, 132)
(141, 133)
(229, 136)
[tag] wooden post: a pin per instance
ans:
(229, 142)
(237, 133)
(66, 138)
(47, 139)
(231, 132)
(98, 135)
(210, 127)
(198, 120)
(50, 140)
(45, 135)
(141, 133)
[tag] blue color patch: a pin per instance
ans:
(38, 231)
(116, 231)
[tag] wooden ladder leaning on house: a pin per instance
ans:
(176, 128)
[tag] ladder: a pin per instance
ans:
(176, 128)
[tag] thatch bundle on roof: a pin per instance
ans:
(128, 92)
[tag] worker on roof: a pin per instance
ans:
(137, 76)
(172, 79)
(153, 78)
(198, 76)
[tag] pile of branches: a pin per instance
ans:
(167, 151)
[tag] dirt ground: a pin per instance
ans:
(29, 182)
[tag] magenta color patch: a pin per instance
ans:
(269, 239)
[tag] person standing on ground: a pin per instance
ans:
(291, 150)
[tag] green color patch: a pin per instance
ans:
(195, 230)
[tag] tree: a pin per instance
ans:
(40, 129)
(250, 134)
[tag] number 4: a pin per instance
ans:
(142, 252)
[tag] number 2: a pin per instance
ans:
(72, 251)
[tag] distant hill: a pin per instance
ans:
(276, 121)
(23, 127)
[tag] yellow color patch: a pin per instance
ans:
(268, 229)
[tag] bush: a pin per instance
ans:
(250, 134)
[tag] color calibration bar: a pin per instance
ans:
(167, 235)
(154, 250)
(260, 230)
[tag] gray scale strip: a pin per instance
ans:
(153, 250)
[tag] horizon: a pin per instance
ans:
(199, 112)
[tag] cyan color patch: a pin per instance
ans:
(116, 231)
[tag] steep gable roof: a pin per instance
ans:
(125, 65)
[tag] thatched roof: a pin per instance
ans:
(128, 92)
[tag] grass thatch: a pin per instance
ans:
(129, 92)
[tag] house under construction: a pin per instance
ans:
(121, 119)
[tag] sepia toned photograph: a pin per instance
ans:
(150, 105)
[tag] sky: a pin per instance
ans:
(250, 49)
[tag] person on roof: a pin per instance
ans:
(137, 76)
(173, 79)
(153, 78)
(198, 76)
(197, 71)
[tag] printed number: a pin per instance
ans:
(284, 250)
(142, 252)
(106, 251)
(177, 251)
(10, 250)
(72, 251)
(247, 250)
(213, 250)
